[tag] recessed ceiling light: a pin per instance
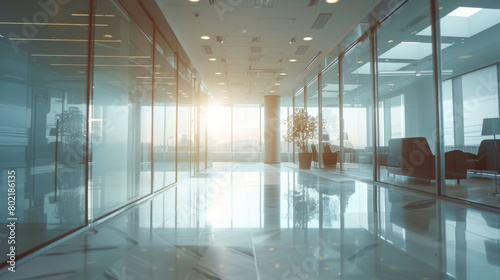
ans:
(390, 41)
(212, 59)
(224, 91)
(277, 84)
(293, 60)
(218, 73)
(205, 37)
(391, 85)
(332, 1)
(308, 38)
(107, 36)
(361, 61)
(222, 84)
(272, 91)
(194, 1)
(465, 56)
(283, 74)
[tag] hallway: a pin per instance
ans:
(256, 221)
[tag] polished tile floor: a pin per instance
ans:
(256, 221)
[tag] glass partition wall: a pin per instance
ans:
(407, 107)
(312, 109)
(89, 126)
(43, 109)
(406, 102)
(357, 108)
(165, 100)
(470, 86)
(331, 119)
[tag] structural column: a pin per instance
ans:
(272, 129)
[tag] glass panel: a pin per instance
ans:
(299, 103)
(43, 117)
(358, 111)
(470, 66)
(183, 123)
(312, 109)
(246, 133)
(407, 111)
(331, 117)
(164, 115)
(121, 113)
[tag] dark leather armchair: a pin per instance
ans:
(413, 157)
(485, 158)
(329, 158)
(315, 154)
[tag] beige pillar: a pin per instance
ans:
(272, 129)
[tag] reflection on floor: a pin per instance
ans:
(255, 221)
(476, 187)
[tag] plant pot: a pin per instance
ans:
(305, 160)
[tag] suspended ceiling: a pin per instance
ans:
(253, 41)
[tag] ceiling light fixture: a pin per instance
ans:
(293, 60)
(283, 74)
(331, 1)
(308, 38)
(194, 1)
(107, 36)
(205, 37)
(212, 59)
(465, 56)
(277, 84)
(390, 41)
(218, 73)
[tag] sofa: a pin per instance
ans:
(413, 157)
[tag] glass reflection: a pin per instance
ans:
(43, 112)
(121, 114)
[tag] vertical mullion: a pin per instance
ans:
(374, 75)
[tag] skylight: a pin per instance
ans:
(382, 67)
(410, 50)
(464, 12)
(466, 22)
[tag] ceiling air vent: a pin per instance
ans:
(256, 49)
(313, 3)
(301, 50)
(206, 49)
(255, 39)
(321, 20)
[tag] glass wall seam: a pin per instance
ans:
(90, 83)
(436, 53)
(374, 80)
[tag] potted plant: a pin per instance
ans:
(301, 127)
